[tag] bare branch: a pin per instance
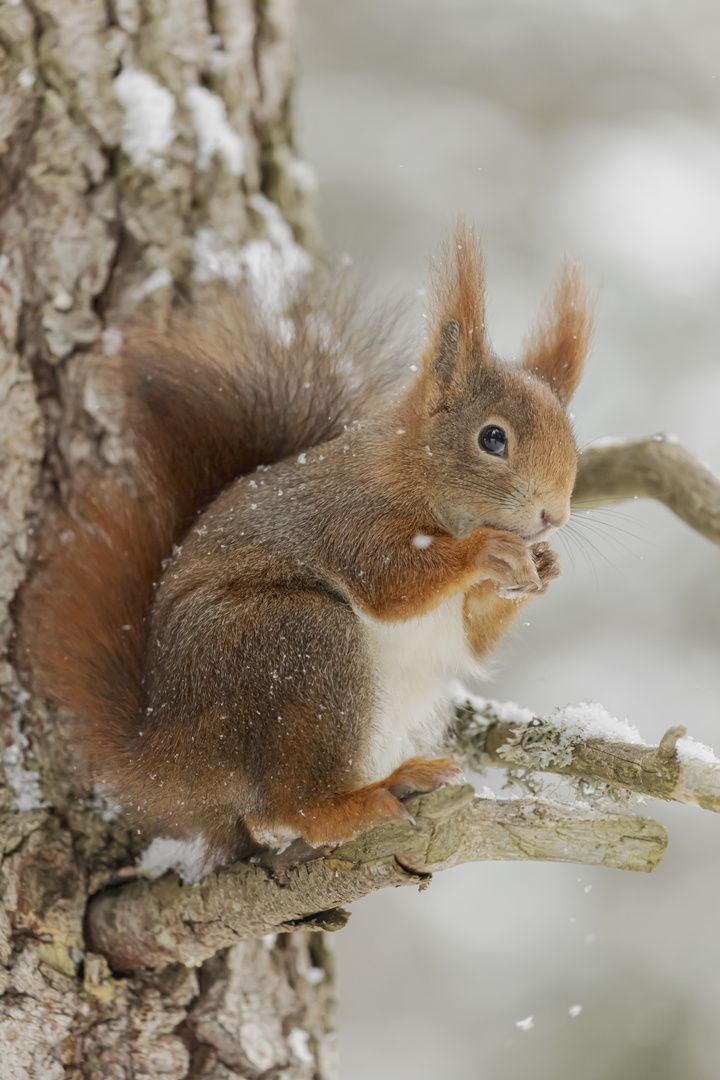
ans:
(154, 923)
(678, 770)
(655, 468)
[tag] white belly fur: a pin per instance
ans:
(414, 662)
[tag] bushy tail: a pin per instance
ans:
(205, 401)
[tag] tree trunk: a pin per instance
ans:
(142, 144)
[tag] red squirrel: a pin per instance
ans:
(257, 634)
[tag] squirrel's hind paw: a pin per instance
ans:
(418, 776)
(347, 815)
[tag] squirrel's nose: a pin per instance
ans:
(552, 521)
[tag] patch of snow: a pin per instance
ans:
(421, 540)
(277, 227)
(298, 1043)
(526, 1024)
(108, 807)
(62, 300)
(26, 78)
(589, 720)
(149, 110)
(506, 711)
(192, 859)
(274, 267)
(25, 783)
(700, 767)
(690, 752)
(214, 134)
(575, 1010)
(112, 340)
(303, 176)
(315, 975)
(213, 261)
(546, 742)
(159, 279)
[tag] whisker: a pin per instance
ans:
(568, 543)
(611, 511)
(615, 541)
(586, 540)
(610, 528)
(621, 441)
(569, 538)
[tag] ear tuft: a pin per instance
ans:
(456, 318)
(446, 358)
(556, 348)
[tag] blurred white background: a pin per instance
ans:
(589, 127)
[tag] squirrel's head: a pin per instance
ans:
(494, 438)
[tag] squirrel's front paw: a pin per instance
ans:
(509, 563)
(547, 564)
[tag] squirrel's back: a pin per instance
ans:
(203, 402)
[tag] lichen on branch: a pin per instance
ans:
(584, 743)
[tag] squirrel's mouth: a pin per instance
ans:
(543, 533)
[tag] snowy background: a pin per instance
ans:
(589, 127)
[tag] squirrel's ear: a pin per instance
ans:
(457, 314)
(557, 346)
(447, 353)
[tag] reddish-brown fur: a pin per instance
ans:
(238, 694)
(563, 332)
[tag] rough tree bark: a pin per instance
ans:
(145, 148)
(100, 208)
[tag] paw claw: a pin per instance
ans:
(455, 776)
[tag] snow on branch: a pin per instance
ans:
(586, 743)
(152, 923)
(657, 468)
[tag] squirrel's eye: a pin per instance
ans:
(494, 441)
